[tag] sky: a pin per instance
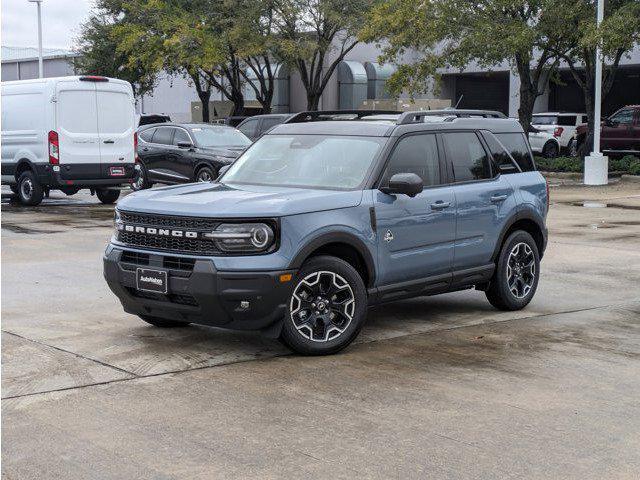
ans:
(61, 21)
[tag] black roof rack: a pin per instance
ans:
(320, 115)
(417, 116)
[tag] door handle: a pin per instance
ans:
(145, 149)
(440, 205)
(108, 141)
(498, 198)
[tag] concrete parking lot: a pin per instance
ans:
(437, 387)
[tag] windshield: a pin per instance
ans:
(312, 161)
(544, 120)
(219, 137)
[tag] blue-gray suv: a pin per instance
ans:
(323, 217)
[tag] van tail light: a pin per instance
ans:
(558, 132)
(135, 147)
(54, 148)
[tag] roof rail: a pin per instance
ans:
(320, 115)
(417, 116)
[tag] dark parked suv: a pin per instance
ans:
(317, 220)
(181, 153)
(619, 133)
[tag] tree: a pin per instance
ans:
(617, 35)
(98, 55)
(314, 36)
(453, 33)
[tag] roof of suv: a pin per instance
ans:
(185, 125)
(386, 127)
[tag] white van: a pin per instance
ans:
(68, 133)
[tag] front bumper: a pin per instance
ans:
(197, 292)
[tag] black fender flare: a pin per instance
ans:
(20, 163)
(336, 237)
(521, 215)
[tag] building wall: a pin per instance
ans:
(27, 70)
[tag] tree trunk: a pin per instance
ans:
(204, 99)
(313, 101)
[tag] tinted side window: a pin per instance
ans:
(249, 128)
(163, 135)
(181, 136)
(623, 117)
(467, 156)
(501, 157)
(567, 120)
(147, 135)
(516, 144)
(415, 154)
(585, 119)
(269, 122)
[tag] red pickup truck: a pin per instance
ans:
(619, 133)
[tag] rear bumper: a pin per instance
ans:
(84, 175)
(200, 293)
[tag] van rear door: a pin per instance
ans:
(116, 124)
(77, 127)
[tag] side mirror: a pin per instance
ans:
(610, 123)
(404, 183)
(185, 145)
(222, 171)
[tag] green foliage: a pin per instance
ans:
(99, 55)
(627, 164)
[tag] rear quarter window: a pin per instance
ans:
(516, 144)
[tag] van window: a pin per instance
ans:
(163, 135)
(77, 111)
(115, 112)
(517, 146)
(467, 156)
(415, 154)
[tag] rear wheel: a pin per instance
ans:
(515, 280)
(327, 307)
(205, 174)
(141, 180)
(30, 192)
(162, 322)
(107, 196)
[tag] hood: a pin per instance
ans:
(219, 200)
(228, 152)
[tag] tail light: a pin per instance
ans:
(558, 132)
(54, 148)
(135, 146)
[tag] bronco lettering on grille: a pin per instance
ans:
(163, 232)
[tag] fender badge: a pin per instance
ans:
(388, 236)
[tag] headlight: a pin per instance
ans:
(117, 221)
(242, 237)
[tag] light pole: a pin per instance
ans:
(38, 3)
(596, 165)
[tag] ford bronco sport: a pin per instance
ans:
(318, 220)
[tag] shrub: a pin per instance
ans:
(627, 164)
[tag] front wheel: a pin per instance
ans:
(205, 174)
(515, 280)
(107, 196)
(326, 309)
(141, 180)
(550, 150)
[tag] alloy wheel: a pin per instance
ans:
(521, 270)
(322, 306)
(204, 176)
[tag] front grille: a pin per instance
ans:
(178, 263)
(197, 246)
(168, 221)
(136, 258)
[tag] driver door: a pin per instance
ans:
(416, 235)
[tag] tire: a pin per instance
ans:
(162, 322)
(572, 148)
(342, 294)
(107, 196)
(30, 192)
(550, 150)
(518, 259)
(205, 174)
(141, 181)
